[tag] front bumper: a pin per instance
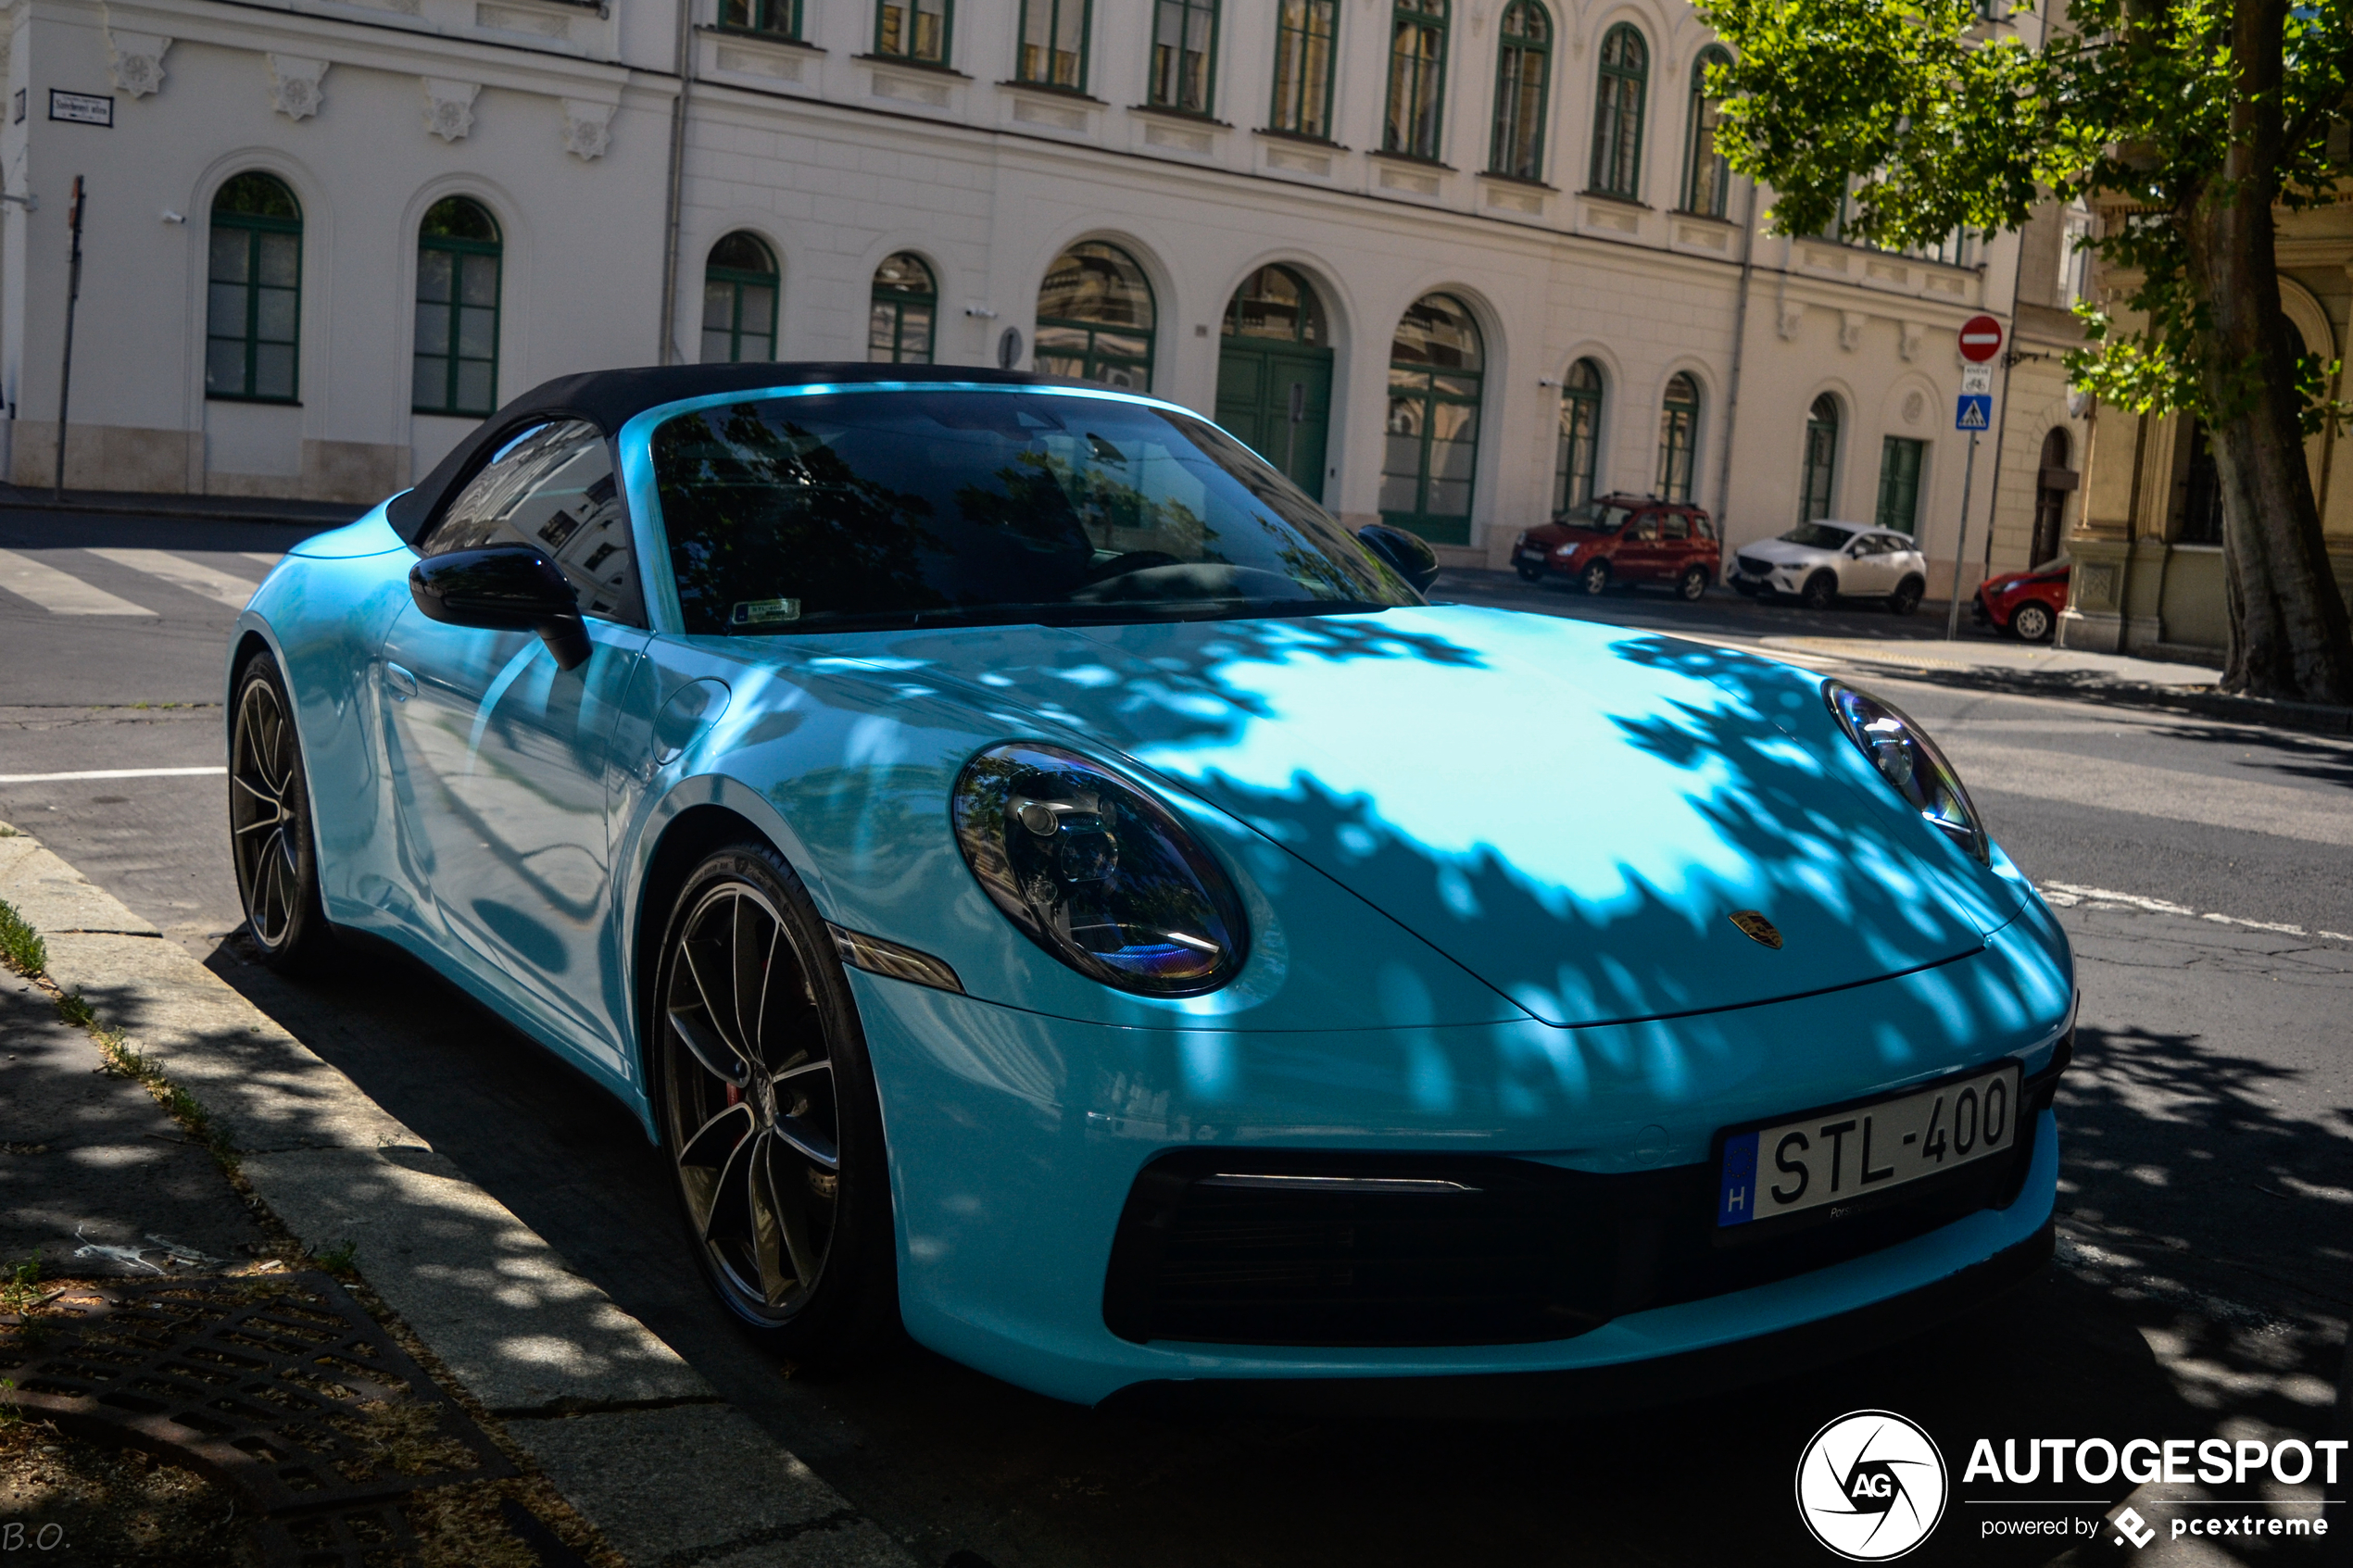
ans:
(1016, 1139)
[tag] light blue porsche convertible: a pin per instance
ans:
(1045, 883)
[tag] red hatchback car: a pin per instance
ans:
(2026, 604)
(1628, 539)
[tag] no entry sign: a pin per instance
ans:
(1981, 339)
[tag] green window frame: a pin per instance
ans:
(1818, 480)
(1579, 454)
(1052, 49)
(1415, 123)
(741, 289)
(916, 31)
(1678, 437)
(1305, 31)
(773, 18)
(903, 317)
(460, 262)
(1437, 388)
(1523, 88)
(1617, 113)
(1707, 178)
(1184, 65)
(1096, 318)
(253, 303)
(1900, 461)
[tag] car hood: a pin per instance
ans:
(1572, 812)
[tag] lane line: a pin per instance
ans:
(113, 773)
(264, 556)
(2067, 895)
(60, 593)
(181, 572)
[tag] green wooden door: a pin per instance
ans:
(1254, 401)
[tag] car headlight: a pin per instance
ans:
(1520, 542)
(1903, 755)
(1098, 872)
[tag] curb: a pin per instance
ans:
(615, 1419)
(180, 508)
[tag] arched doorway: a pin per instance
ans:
(1436, 371)
(1095, 318)
(2052, 481)
(1275, 373)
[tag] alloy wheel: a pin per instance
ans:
(265, 820)
(754, 1120)
(1597, 578)
(2032, 623)
(1694, 584)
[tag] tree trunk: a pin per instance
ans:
(2289, 633)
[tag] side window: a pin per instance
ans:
(1646, 526)
(553, 487)
(1677, 526)
(1706, 528)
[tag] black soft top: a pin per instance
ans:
(608, 399)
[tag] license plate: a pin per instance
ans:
(1533, 558)
(1843, 1155)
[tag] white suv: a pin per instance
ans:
(1822, 562)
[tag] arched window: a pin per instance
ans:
(1277, 304)
(1580, 438)
(1303, 31)
(456, 368)
(1707, 179)
(1523, 78)
(1617, 113)
(1053, 44)
(778, 18)
(1821, 459)
(1678, 437)
(2051, 482)
(253, 309)
(913, 30)
(906, 303)
(1095, 318)
(1416, 77)
(739, 287)
(1431, 454)
(1184, 53)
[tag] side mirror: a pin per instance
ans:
(1408, 555)
(503, 588)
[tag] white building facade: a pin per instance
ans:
(1504, 267)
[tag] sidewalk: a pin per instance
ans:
(621, 1425)
(191, 508)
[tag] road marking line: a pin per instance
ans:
(112, 773)
(60, 593)
(2067, 895)
(264, 556)
(213, 583)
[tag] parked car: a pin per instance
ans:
(1039, 879)
(1623, 540)
(2026, 604)
(1823, 562)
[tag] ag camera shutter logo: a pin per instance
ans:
(1870, 1485)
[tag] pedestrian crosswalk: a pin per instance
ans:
(44, 583)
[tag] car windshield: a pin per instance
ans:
(1818, 536)
(845, 511)
(1598, 515)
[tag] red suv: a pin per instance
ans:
(1629, 539)
(2027, 603)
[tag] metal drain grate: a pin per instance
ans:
(279, 1385)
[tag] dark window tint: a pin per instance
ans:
(552, 487)
(253, 293)
(851, 510)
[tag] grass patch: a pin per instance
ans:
(124, 1060)
(22, 1288)
(342, 1259)
(21, 945)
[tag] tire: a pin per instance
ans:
(1906, 598)
(773, 1126)
(1821, 591)
(2033, 623)
(1528, 574)
(271, 840)
(1692, 586)
(1594, 579)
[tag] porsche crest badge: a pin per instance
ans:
(1757, 928)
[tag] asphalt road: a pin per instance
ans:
(2207, 1212)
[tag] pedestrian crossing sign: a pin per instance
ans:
(1976, 412)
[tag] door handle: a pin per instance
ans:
(399, 682)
